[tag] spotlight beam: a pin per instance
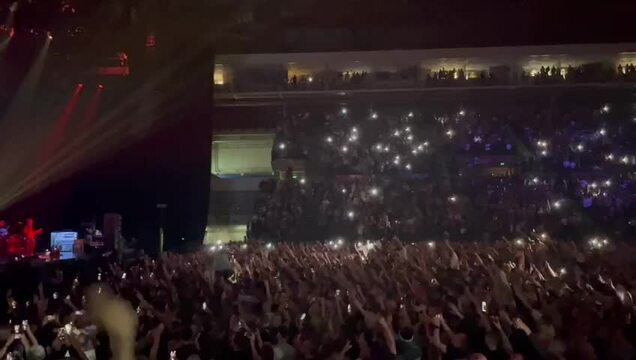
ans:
(110, 129)
(56, 136)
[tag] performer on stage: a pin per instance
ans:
(30, 234)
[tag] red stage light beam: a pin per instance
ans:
(56, 137)
(90, 115)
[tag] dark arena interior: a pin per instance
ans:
(275, 179)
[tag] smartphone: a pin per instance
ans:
(99, 276)
(123, 276)
(303, 316)
(484, 307)
(16, 329)
(55, 295)
(401, 306)
(68, 328)
(25, 324)
(204, 306)
(349, 308)
(338, 292)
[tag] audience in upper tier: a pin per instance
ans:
(463, 175)
(443, 77)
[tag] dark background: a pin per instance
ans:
(170, 162)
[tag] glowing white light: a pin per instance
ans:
(593, 185)
(374, 116)
(340, 241)
(535, 180)
(562, 271)
(450, 133)
(420, 147)
(269, 245)
(452, 198)
(408, 166)
(542, 144)
(609, 157)
(353, 138)
(351, 214)
(602, 132)
(329, 139)
(580, 147)
(396, 133)
(396, 160)
(213, 248)
(431, 244)
(543, 236)
(343, 190)
(354, 129)
(519, 242)
(344, 149)
(411, 114)
(386, 149)
(625, 159)
(477, 139)
(409, 138)
(359, 243)
(595, 243)
(344, 111)
(282, 146)
(407, 129)
(378, 147)
(243, 246)
(557, 204)
(607, 182)
(374, 191)
(303, 181)
(605, 109)
(462, 112)
(310, 79)
(544, 152)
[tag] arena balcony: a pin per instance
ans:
(298, 75)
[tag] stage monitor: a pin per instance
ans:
(65, 240)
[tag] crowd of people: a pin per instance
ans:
(466, 174)
(442, 77)
(531, 298)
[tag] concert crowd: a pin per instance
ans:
(460, 175)
(407, 235)
(531, 298)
